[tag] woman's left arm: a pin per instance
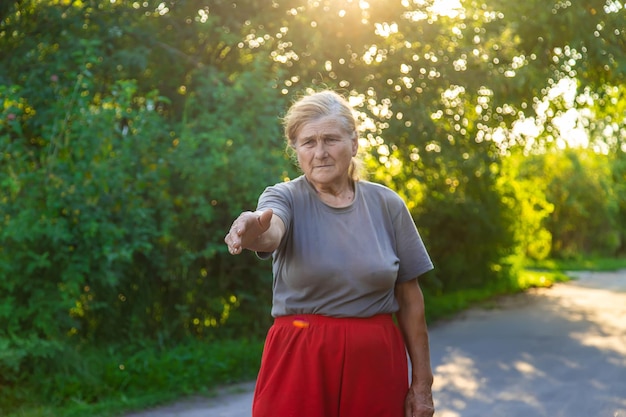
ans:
(412, 323)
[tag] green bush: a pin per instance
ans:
(578, 185)
(113, 227)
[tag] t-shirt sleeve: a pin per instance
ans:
(413, 255)
(276, 198)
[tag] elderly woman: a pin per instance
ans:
(346, 258)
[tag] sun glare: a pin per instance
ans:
(449, 8)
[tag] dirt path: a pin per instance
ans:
(558, 352)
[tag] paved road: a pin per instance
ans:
(558, 352)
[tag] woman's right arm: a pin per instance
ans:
(259, 231)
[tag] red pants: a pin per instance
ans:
(317, 366)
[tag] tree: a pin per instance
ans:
(125, 127)
(116, 198)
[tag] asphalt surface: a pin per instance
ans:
(558, 352)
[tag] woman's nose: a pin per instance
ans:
(320, 150)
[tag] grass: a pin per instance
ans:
(443, 306)
(124, 380)
(135, 378)
(580, 264)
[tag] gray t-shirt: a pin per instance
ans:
(342, 262)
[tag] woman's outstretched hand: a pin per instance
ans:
(246, 230)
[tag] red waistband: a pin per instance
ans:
(304, 320)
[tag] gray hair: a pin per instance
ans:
(315, 106)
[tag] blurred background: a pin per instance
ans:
(133, 132)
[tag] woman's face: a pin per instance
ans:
(325, 151)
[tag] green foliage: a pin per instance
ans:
(113, 234)
(125, 378)
(580, 263)
(131, 134)
(578, 184)
(227, 155)
(114, 228)
(536, 279)
(529, 207)
(618, 176)
(113, 216)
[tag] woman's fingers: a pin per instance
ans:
(247, 227)
(233, 239)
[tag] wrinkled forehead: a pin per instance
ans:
(323, 127)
